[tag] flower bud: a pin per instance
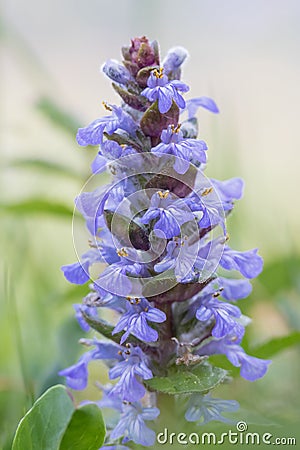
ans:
(174, 59)
(116, 71)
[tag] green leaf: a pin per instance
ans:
(86, 431)
(102, 327)
(171, 290)
(53, 423)
(186, 380)
(135, 101)
(45, 166)
(127, 231)
(276, 345)
(153, 122)
(37, 206)
(45, 423)
(58, 116)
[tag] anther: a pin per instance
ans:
(207, 191)
(158, 73)
(106, 106)
(175, 129)
(122, 252)
(163, 194)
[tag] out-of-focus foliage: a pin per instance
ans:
(54, 423)
(39, 335)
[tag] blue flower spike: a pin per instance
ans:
(159, 256)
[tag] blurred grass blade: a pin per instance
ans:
(45, 166)
(37, 206)
(62, 119)
(276, 345)
(16, 327)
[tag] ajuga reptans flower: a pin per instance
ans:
(171, 278)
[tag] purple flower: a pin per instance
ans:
(89, 310)
(224, 315)
(132, 424)
(91, 206)
(208, 208)
(118, 277)
(109, 151)
(190, 261)
(249, 263)
(234, 289)
(135, 320)
(77, 375)
(134, 364)
(104, 299)
(251, 368)
(185, 150)
(180, 256)
(165, 91)
(229, 190)
(93, 133)
(204, 408)
(114, 447)
(78, 273)
(193, 104)
(109, 400)
(171, 214)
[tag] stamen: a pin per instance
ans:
(207, 191)
(175, 130)
(122, 252)
(106, 106)
(158, 73)
(112, 169)
(163, 194)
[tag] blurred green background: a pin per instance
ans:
(243, 54)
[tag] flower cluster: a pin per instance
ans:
(170, 279)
